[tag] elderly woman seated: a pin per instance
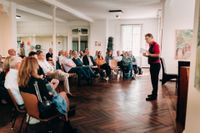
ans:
(127, 67)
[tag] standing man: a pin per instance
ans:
(153, 55)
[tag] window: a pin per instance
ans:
(131, 38)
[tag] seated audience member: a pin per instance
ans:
(49, 55)
(70, 67)
(96, 54)
(11, 81)
(118, 58)
(127, 63)
(11, 53)
(81, 54)
(40, 70)
(3, 91)
(136, 68)
(101, 63)
(79, 63)
(88, 59)
(50, 71)
(109, 56)
(28, 76)
(77, 59)
(1, 63)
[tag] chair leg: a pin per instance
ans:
(14, 120)
(22, 123)
(27, 125)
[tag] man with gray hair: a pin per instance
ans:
(11, 81)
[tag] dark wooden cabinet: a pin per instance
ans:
(182, 93)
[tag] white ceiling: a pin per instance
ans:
(96, 9)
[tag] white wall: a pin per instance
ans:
(98, 33)
(41, 28)
(193, 104)
(178, 14)
(102, 29)
(8, 38)
(148, 26)
(46, 42)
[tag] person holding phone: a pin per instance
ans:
(153, 55)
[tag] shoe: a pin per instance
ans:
(150, 95)
(152, 98)
(32, 120)
(106, 78)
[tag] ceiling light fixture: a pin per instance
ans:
(18, 17)
(116, 13)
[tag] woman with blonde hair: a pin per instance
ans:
(28, 76)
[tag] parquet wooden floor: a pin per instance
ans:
(118, 107)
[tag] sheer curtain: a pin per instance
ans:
(131, 38)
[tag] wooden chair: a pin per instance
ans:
(16, 111)
(31, 105)
(166, 76)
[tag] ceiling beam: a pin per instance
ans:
(69, 9)
(37, 13)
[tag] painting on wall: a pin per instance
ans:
(97, 43)
(197, 71)
(183, 44)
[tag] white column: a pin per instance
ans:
(54, 34)
(65, 43)
(8, 27)
(69, 42)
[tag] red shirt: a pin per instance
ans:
(154, 49)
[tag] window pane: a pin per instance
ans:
(131, 38)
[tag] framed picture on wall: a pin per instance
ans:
(197, 70)
(183, 44)
(97, 43)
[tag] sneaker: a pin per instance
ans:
(106, 78)
(32, 120)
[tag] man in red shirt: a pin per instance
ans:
(153, 55)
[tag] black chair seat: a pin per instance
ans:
(166, 76)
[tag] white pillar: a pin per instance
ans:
(65, 43)
(54, 34)
(8, 27)
(69, 42)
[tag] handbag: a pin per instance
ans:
(43, 105)
(57, 100)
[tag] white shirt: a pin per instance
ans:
(46, 67)
(118, 58)
(90, 61)
(12, 84)
(67, 64)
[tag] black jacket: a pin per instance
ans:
(86, 61)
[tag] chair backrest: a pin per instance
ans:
(163, 65)
(113, 64)
(31, 104)
(14, 101)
